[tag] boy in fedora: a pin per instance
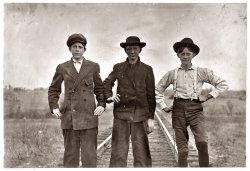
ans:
(134, 106)
(187, 108)
(78, 114)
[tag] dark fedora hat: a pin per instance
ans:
(133, 41)
(76, 38)
(186, 42)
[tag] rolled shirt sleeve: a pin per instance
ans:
(220, 85)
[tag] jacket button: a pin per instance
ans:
(73, 110)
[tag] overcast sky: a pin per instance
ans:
(35, 37)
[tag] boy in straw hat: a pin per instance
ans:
(134, 106)
(187, 108)
(78, 114)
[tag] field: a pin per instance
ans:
(32, 140)
(38, 143)
(226, 123)
(227, 141)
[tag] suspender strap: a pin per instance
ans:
(195, 95)
(195, 80)
(175, 81)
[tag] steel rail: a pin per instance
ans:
(166, 132)
(104, 142)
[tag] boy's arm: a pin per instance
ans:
(219, 84)
(164, 82)
(150, 88)
(54, 90)
(108, 84)
(98, 87)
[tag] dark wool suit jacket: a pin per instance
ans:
(136, 90)
(79, 101)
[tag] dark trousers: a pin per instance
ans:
(122, 130)
(74, 140)
(189, 113)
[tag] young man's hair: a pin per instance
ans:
(83, 47)
(181, 48)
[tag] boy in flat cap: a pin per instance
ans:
(78, 114)
(187, 108)
(134, 106)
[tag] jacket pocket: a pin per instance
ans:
(88, 84)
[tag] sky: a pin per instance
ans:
(35, 37)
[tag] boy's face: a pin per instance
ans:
(77, 50)
(133, 52)
(186, 56)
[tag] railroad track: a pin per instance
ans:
(162, 146)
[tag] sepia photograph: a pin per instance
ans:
(124, 85)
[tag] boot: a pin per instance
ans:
(203, 154)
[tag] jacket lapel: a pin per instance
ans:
(78, 77)
(70, 69)
(84, 70)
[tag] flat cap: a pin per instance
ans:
(76, 38)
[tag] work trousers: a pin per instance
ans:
(80, 141)
(189, 113)
(122, 130)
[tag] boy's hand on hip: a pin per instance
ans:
(99, 110)
(204, 98)
(57, 113)
(115, 98)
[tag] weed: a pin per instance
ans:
(31, 144)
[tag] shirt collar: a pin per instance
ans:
(80, 61)
(191, 68)
(137, 62)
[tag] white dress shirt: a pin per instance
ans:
(77, 64)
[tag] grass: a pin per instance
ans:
(227, 141)
(31, 142)
(225, 107)
(36, 143)
(226, 125)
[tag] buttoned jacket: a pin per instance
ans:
(80, 90)
(137, 92)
